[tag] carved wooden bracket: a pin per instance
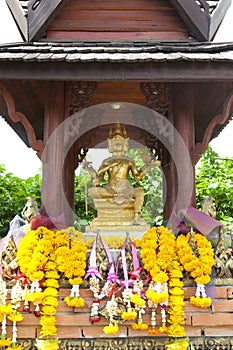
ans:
(157, 97)
(80, 95)
(18, 117)
(219, 119)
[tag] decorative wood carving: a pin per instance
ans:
(80, 95)
(18, 117)
(157, 97)
(142, 343)
(220, 119)
(223, 258)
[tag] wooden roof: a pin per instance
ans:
(118, 70)
(202, 17)
(103, 61)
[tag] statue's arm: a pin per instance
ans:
(105, 167)
(96, 179)
(139, 174)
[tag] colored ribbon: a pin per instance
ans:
(93, 269)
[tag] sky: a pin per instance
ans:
(23, 161)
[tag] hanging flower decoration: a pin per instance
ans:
(44, 256)
(161, 267)
(112, 311)
(198, 262)
(95, 276)
(132, 285)
(5, 310)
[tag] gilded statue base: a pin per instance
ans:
(114, 217)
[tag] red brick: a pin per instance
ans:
(86, 293)
(192, 308)
(64, 292)
(220, 319)
(188, 291)
(22, 332)
(188, 319)
(63, 307)
(78, 319)
(87, 306)
(218, 331)
(192, 331)
(220, 292)
(229, 293)
(69, 332)
(28, 320)
(145, 333)
(222, 306)
(97, 332)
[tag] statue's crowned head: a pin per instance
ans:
(118, 136)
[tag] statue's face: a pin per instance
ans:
(118, 144)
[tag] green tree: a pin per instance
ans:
(215, 179)
(13, 196)
(83, 204)
(152, 184)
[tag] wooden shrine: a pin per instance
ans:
(149, 64)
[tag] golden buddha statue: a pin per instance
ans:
(118, 203)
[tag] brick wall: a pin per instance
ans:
(215, 321)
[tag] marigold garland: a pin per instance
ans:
(163, 267)
(46, 255)
(198, 264)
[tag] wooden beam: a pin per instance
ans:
(173, 71)
(197, 19)
(219, 119)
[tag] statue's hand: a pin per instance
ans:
(96, 181)
(154, 164)
(87, 167)
(145, 168)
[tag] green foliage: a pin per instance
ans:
(215, 179)
(152, 210)
(13, 196)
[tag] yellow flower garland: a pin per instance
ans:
(163, 266)
(198, 265)
(45, 255)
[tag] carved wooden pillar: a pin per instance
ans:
(158, 99)
(53, 155)
(78, 97)
(63, 100)
(183, 115)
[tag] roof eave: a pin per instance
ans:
(173, 71)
